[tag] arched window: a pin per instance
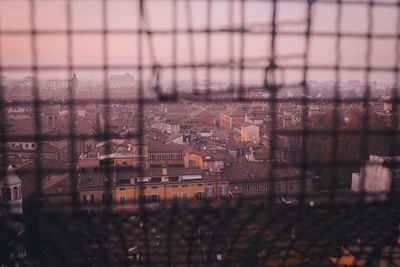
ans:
(15, 193)
(8, 193)
(50, 121)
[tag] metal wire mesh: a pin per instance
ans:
(249, 232)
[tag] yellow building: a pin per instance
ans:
(126, 189)
(161, 154)
(214, 162)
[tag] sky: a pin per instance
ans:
(122, 49)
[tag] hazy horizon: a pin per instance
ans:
(87, 50)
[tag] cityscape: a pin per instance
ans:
(130, 166)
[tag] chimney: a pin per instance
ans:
(164, 170)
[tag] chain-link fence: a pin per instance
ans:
(266, 53)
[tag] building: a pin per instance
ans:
(207, 161)
(377, 177)
(73, 82)
(56, 84)
(258, 179)
(11, 191)
(172, 128)
(123, 188)
(3, 80)
(160, 154)
(231, 119)
(121, 81)
(250, 133)
(13, 250)
(57, 149)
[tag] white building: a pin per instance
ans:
(121, 81)
(11, 192)
(375, 177)
(11, 209)
(56, 84)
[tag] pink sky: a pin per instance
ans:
(122, 49)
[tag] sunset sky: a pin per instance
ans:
(122, 48)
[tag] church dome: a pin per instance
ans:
(11, 178)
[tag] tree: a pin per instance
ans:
(339, 149)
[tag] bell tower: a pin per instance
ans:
(11, 192)
(73, 82)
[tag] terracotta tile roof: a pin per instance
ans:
(259, 170)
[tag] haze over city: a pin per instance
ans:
(51, 22)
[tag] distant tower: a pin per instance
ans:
(11, 201)
(73, 82)
(11, 192)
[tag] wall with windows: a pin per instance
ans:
(192, 160)
(281, 187)
(157, 159)
(22, 145)
(128, 196)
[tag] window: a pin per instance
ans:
(91, 198)
(107, 198)
(26, 145)
(33, 145)
(50, 121)
(170, 156)
(199, 195)
(185, 196)
(192, 164)
(15, 193)
(155, 198)
(179, 157)
(223, 190)
(152, 157)
(209, 191)
(122, 200)
(266, 186)
(175, 196)
(247, 187)
(8, 194)
(257, 187)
